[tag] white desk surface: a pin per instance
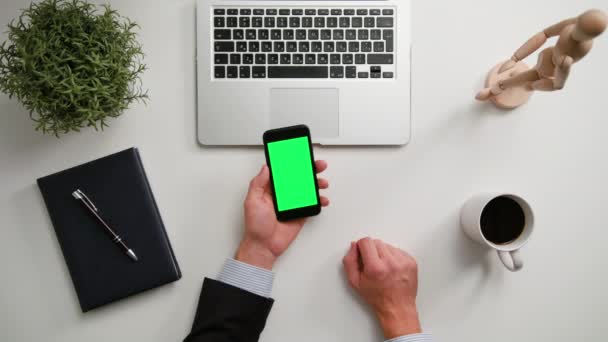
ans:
(552, 151)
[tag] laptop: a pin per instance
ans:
(340, 67)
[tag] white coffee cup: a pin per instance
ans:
(470, 219)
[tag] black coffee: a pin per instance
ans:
(502, 220)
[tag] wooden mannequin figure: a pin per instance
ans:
(511, 83)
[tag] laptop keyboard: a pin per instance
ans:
(303, 43)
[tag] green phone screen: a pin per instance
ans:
(292, 173)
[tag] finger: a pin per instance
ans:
(369, 253)
(382, 249)
(323, 183)
(320, 166)
(259, 183)
(351, 265)
(324, 201)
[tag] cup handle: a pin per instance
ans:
(512, 260)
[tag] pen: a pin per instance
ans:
(79, 195)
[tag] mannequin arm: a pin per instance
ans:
(561, 76)
(536, 42)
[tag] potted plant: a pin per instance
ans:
(72, 64)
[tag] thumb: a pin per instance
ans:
(351, 265)
(259, 182)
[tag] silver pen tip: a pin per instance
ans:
(77, 194)
(132, 255)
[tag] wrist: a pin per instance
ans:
(254, 254)
(399, 321)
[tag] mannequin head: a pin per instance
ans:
(590, 25)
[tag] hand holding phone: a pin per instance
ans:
(266, 238)
(289, 156)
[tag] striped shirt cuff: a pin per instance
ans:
(412, 338)
(247, 277)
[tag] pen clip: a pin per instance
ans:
(80, 195)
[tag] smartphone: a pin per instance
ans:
(293, 177)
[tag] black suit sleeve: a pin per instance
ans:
(228, 314)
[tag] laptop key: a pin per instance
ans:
(219, 22)
(300, 34)
(349, 12)
(376, 75)
(284, 11)
(221, 34)
(223, 46)
(311, 58)
(304, 47)
(285, 58)
(279, 46)
(241, 46)
(296, 12)
(266, 46)
(244, 21)
(244, 72)
(232, 72)
(238, 34)
(388, 40)
(319, 22)
(245, 11)
(257, 22)
(271, 11)
(316, 47)
(369, 22)
(250, 34)
(357, 22)
(361, 12)
(380, 58)
(375, 69)
(328, 47)
(387, 11)
(341, 46)
(235, 58)
(297, 72)
(310, 12)
(307, 22)
(334, 58)
(269, 22)
(219, 11)
(233, 11)
(385, 22)
(332, 22)
(313, 34)
(232, 22)
(351, 72)
(323, 58)
(366, 46)
(378, 46)
(347, 58)
(336, 72)
(363, 75)
(323, 11)
(374, 12)
(298, 59)
(295, 22)
(247, 58)
(263, 34)
(376, 34)
(363, 34)
(273, 59)
(275, 34)
(345, 22)
(338, 34)
(351, 34)
(220, 72)
(291, 47)
(387, 74)
(336, 12)
(360, 58)
(325, 34)
(254, 46)
(258, 11)
(353, 47)
(282, 22)
(288, 34)
(221, 58)
(258, 72)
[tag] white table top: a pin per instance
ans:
(551, 151)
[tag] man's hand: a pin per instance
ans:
(266, 238)
(387, 279)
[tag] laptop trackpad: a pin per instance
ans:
(316, 108)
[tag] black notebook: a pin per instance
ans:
(100, 270)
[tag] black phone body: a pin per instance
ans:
(290, 159)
